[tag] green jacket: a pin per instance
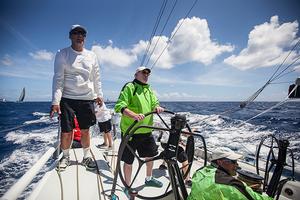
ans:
(139, 98)
(211, 183)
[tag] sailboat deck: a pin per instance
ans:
(78, 183)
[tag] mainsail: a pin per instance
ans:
(22, 95)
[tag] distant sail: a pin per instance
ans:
(22, 96)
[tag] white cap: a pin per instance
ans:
(228, 155)
(77, 26)
(142, 68)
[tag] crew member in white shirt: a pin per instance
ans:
(103, 115)
(76, 86)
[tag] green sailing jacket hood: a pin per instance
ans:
(211, 183)
(139, 98)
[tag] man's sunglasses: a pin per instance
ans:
(232, 161)
(79, 33)
(145, 72)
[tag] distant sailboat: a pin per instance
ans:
(22, 95)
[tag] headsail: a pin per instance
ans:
(22, 95)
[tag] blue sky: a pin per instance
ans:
(223, 51)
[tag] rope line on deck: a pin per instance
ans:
(77, 174)
(99, 177)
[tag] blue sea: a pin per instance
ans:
(26, 131)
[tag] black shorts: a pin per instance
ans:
(144, 144)
(181, 154)
(84, 111)
(105, 126)
(76, 144)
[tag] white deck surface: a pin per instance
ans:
(78, 183)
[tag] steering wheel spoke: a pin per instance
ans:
(164, 129)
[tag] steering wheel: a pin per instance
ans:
(141, 162)
(272, 144)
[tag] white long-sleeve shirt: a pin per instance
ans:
(76, 76)
(103, 113)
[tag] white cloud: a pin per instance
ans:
(192, 43)
(140, 47)
(27, 68)
(29, 74)
(213, 78)
(172, 95)
(42, 55)
(267, 45)
(113, 56)
(178, 96)
(6, 60)
(297, 68)
(165, 60)
(216, 79)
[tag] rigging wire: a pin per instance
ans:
(283, 74)
(272, 78)
(161, 11)
(276, 105)
(294, 47)
(287, 82)
(265, 111)
(168, 18)
(169, 41)
(287, 73)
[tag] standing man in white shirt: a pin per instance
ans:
(76, 86)
(103, 115)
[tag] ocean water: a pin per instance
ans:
(26, 131)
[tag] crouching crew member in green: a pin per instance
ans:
(217, 182)
(136, 99)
